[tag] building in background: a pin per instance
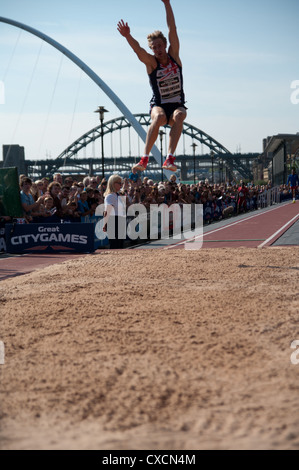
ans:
(280, 154)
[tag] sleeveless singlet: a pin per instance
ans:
(167, 84)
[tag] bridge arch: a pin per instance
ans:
(144, 120)
(104, 87)
(128, 118)
(220, 152)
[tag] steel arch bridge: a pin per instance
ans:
(219, 151)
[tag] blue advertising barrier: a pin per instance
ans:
(2, 238)
(49, 238)
(100, 241)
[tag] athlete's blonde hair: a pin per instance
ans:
(156, 35)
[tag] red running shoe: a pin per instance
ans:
(141, 166)
(169, 163)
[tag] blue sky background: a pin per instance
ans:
(239, 60)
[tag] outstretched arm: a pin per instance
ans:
(174, 47)
(142, 55)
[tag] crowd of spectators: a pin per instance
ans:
(60, 200)
(65, 199)
(70, 200)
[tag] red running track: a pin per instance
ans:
(12, 266)
(257, 230)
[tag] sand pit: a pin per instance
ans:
(151, 349)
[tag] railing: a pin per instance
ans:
(269, 197)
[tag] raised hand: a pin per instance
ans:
(123, 28)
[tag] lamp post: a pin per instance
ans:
(220, 170)
(212, 159)
(161, 133)
(101, 110)
(194, 145)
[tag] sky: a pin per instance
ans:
(240, 59)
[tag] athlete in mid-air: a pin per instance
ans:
(164, 69)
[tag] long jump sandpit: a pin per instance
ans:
(153, 349)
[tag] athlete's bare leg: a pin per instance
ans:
(159, 119)
(176, 122)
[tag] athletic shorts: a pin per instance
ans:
(168, 108)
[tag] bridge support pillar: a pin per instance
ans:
(183, 171)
